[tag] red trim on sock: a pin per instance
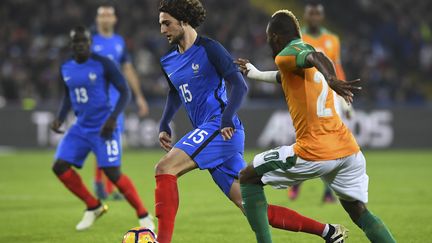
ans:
(166, 203)
(127, 188)
(73, 182)
(287, 219)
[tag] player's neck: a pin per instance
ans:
(316, 30)
(188, 40)
(105, 32)
(82, 59)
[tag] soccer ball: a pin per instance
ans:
(139, 235)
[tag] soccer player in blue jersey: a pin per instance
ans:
(109, 44)
(197, 69)
(86, 79)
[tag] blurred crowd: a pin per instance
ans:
(390, 47)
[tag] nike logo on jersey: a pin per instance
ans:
(112, 159)
(186, 143)
(67, 78)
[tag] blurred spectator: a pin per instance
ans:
(387, 43)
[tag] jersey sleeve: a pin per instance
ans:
(220, 58)
(114, 76)
(125, 57)
(294, 57)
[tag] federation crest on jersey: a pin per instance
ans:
(195, 67)
(92, 76)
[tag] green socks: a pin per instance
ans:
(375, 229)
(255, 206)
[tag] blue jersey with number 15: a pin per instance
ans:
(198, 77)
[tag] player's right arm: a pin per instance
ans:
(172, 105)
(63, 111)
(252, 72)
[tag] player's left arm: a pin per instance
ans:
(134, 83)
(320, 61)
(114, 76)
(226, 68)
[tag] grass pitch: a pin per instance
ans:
(35, 207)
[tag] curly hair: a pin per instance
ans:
(189, 11)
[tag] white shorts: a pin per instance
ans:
(281, 168)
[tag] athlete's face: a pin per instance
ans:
(106, 18)
(171, 28)
(314, 15)
(273, 41)
(80, 42)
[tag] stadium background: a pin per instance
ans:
(388, 44)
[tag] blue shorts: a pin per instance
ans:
(223, 159)
(76, 145)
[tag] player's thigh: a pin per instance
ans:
(280, 167)
(73, 148)
(176, 162)
(108, 152)
(349, 179)
(227, 173)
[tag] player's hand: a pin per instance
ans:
(55, 126)
(227, 133)
(242, 65)
(108, 128)
(165, 141)
(345, 88)
(143, 108)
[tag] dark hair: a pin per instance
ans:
(285, 22)
(313, 3)
(188, 11)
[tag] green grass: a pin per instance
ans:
(35, 207)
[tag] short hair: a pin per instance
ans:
(189, 11)
(79, 29)
(285, 22)
(313, 3)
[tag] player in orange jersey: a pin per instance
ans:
(324, 146)
(328, 43)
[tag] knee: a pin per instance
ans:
(113, 173)
(164, 166)
(247, 175)
(59, 167)
(354, 209)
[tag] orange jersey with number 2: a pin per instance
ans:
(320, 133)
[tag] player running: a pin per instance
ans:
(324, 146)
(109, 44)
(86, 78)
(197, 69)
(324, 41)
